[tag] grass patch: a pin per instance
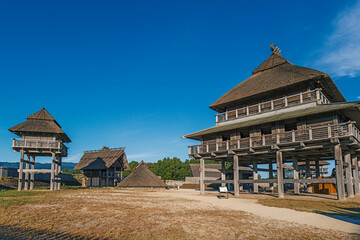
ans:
(347, 209)
(13, 197)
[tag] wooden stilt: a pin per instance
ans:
(27, 176)
(348, 173)
(280, 182)
(340, 188)
(223, 172)
(107, 177)
(121, 173)
(308, 176)
(202, 176)
(317, 167)
(59, 174)
(271, 173)
(32, 175)
(52, 176)
(356, 174)
(56, 172)
(114, 176)
(21, 166)
(255, 176)
(296, 176)
(236, 175)
(99, 178)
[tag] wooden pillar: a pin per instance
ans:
(100, 178)
(59, 174)
(296, 176)
(52, 176)
(55, 172)
(236, 175)
(348, 170)
(114, 176)
(107, 177)
(32, 175)
(21, 166)
(255, 176)
(202, 176)
(27, 176)
(356, 174)
(223, 172)
(317, 167)
(340, 188)
(308, 176)
(271, 174)
(280, 181)
(121, 173)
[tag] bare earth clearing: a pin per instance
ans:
(159, 214)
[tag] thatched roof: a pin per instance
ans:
(276, 74)
(142, 177)
(40, 122)
(103, 159)
(211, 170)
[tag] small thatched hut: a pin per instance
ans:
(142, 177)
(100, 166)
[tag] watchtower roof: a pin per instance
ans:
(40, 122)
(276, 73)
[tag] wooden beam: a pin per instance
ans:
(223, 172)
(52, 175)
(340, 189)
(255, 177)
(36, 171)
(348, 173)
(310, 181)
(356, 174)
(202, 176)
(236, 175)
(296, 176)
(32, 175)
(21, 167)
(280, 182)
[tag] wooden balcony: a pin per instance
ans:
(41, 146)
(275, 104)
(285, 138)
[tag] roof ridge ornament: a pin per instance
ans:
(275, 49)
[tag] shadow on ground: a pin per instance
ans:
(14, 233)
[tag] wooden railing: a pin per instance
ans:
(276, 104)
(39, 144)
(295, 136)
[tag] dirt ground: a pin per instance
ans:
(153, 214)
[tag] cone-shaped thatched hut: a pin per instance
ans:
(142, 177)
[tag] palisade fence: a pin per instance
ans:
(295, 136)
(276, 104)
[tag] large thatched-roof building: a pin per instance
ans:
(142, 177)
(283, 115)
(41, 135)
(100, 166)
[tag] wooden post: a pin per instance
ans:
(121, 173)
(223, 172)
(356, 175)
(27, 179)
(296, 176)
(255, 176)
(236, 175)
(202, 176)
(21, 166)
(348, 170)
(340, 188)
(280, 181)
(317, 167)
(99, 178)
(107, 177)
(114, 176)
(59, 173)
(271, 174)
(52, 176)
(32, 175)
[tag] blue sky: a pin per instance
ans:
(141, 74)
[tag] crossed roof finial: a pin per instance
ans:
(275, 49)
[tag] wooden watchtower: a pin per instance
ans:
(40, 135)
(284, 115)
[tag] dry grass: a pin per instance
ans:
(348, 209)
(135, 214)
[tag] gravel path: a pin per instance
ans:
(251, 206)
